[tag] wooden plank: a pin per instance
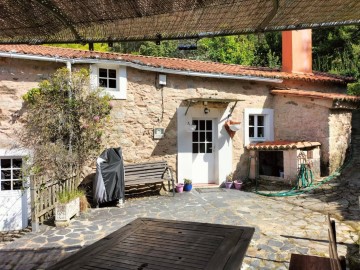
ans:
(189, 228)
(145, 164)
(238, 253)
(170, 263)
(141, 242)
(307, 262)
(79, 258)
(107, 265)
(213, 229)
(190, 258)
(129, 263)
(180, 246)
(181, 249)
(152, 263)
(334, 259)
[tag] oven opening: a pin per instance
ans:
(271, 163)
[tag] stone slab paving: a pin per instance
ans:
(281, 228)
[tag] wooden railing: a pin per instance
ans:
(43, 193)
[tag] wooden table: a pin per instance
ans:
(148, 243)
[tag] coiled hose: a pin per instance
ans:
(303, 181)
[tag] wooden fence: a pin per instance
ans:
(44, 197)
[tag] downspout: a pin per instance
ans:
(71, 135)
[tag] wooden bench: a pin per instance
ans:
(308, 262)
(149, 173)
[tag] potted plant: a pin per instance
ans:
(229, 181)
(179, 187)
(68, 205)
(187, 184)
(238, 184)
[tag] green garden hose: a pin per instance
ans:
(304, 183)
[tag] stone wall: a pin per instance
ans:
(16, 78)
(148, 106)
(302, 119)
(340, 137)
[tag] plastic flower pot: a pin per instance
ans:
(238, 184)
(187, 187)
(228, 184)
(179, 188)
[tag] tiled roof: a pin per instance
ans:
(281, 145)
(314, 94)
(171, 63)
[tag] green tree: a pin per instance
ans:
(64, 123)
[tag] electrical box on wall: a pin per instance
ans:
(159, 133)
(162, 79)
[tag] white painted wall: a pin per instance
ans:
(222, 143)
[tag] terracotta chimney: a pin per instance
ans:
(297, 51)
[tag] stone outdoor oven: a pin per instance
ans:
(280, 160)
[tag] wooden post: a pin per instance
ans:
(34, 218)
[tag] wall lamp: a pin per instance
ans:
(206, 110)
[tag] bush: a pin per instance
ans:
(64, 123)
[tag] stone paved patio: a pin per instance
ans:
(282, 227)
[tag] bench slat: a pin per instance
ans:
(144, 181)
(146, 173)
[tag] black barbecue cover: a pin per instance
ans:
(109, 180)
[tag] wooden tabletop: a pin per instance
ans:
(148, 243)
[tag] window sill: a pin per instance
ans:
(116, 94)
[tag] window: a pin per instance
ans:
(10, 173)
(107, 78)
(202, 136)
(258, 125)
(112, 78)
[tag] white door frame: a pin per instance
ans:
(222, 142)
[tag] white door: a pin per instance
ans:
(203, 151)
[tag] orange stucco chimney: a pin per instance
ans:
(297, 51)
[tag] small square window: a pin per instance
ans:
(112, 73)
(107, 78)
(112, 83)
(5, 163)
(251, 120)
(6, 174)
(10, 174)
(17, 163)
(103, 83)
(258, 125)
(103, 73)
(6, 185)
(260, 120)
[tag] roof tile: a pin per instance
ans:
(281, 145)
(172, 63)
(314, 94)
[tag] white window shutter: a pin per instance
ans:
(94, 81)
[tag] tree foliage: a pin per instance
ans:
(335, 50)
(250, 50)
(64, 123)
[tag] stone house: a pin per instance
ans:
(178, 110)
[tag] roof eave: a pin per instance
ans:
(140, 67)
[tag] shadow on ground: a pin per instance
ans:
(40, 258)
